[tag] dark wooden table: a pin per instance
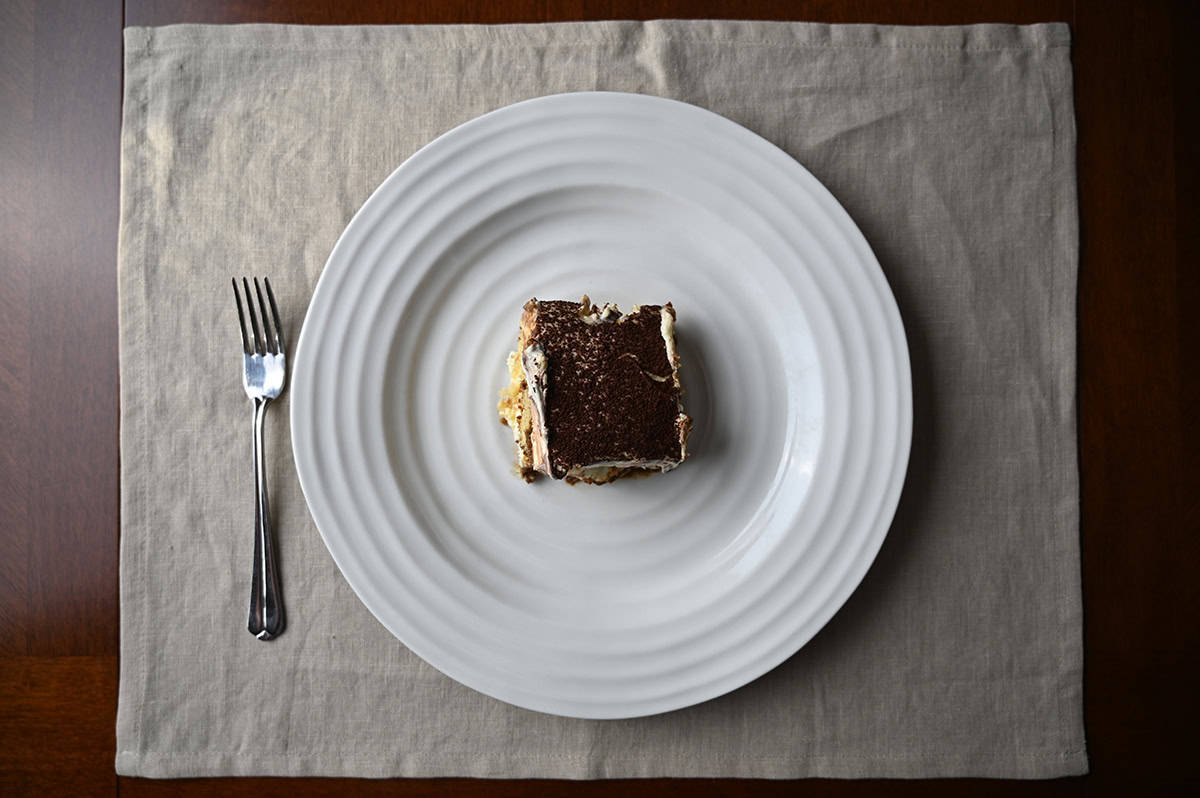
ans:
(60, 104)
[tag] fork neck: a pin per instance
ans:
(260, 412)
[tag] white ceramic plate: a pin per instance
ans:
(644, 595)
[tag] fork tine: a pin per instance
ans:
(258, 341)
(270, 338)
(241, 318)
(279, 342)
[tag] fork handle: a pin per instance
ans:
(266, 601)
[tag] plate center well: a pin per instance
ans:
(634, 538)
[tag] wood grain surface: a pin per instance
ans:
(60, 98)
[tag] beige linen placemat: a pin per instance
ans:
(245, 150)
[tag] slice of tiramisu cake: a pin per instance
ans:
(594, 395)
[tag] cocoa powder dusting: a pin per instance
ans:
(603, 402)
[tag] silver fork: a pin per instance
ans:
(263, 375)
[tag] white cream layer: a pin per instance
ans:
(534, 365)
